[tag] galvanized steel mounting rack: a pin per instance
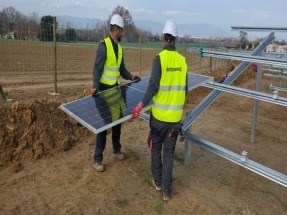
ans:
(254, 56)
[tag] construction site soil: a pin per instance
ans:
(46, 160)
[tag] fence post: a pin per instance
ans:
(104, 33)
(140, 55)
(185, 48)
(55, 55)
(210, 63)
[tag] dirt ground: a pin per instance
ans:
(46, 161)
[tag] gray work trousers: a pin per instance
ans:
(162, 140)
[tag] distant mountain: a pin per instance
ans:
(198, 30)
(78, 22)
(202, 30)
(148, 25)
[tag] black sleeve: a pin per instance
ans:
(124, 72)
(154, 81)
(101, 57)
(186, 86)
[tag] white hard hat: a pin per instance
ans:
(170, 28)
(117, 20)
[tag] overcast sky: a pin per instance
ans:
(219, 13)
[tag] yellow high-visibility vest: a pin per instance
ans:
(169, 101)
(111, 73)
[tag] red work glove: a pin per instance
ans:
(94, 91)
(136, 111)
(181, 135)
(253, 67)
(136, 78)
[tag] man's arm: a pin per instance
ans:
(152, 87)
(153, 82)
(124, 72)
(101, 57)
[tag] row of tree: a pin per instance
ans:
(34, 28)
(23, 26)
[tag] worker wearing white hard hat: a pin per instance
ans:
(117, 20)
(170, 28)
(109, 67)
(167, 90)
(116, 27)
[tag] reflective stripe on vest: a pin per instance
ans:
(169, 101)
(111, 73)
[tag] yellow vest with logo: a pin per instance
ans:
(111, 73)
(115, 102)
(169, 101)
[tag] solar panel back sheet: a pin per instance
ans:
(111, 107)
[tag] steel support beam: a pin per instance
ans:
(275, 99)
(246, 28)
(241, 160)
(256, 103)
(271, 87)
(248, 58)
(208, 100)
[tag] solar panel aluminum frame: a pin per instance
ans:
(84, 112)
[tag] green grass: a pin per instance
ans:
(147, 180)
(225, 181)
(178, 158)
(6, 94)
(266, 191)
(158, 206)
(122, 202)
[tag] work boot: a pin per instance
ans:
(158, 188)
(99, 166)
(165, 196)
(119, 155)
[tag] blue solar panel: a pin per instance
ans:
(113, 106)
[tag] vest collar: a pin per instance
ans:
(169, 47)
(114, 41)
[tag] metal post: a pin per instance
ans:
(255, 106)
(140, 55)
(55, 52)
(210, 65)
(187, 149)
(104, 33)
(185, 49)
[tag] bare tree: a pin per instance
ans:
(33, 26)
(130, 28)
(3, 22)
(243, 39)
(11, 15)
(20, 27)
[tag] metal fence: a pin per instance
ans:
(27, 65)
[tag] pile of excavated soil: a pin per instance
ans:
(33, 130)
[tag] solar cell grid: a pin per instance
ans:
(113, 106)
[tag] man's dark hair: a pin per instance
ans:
(169, 38)
(112, 27)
